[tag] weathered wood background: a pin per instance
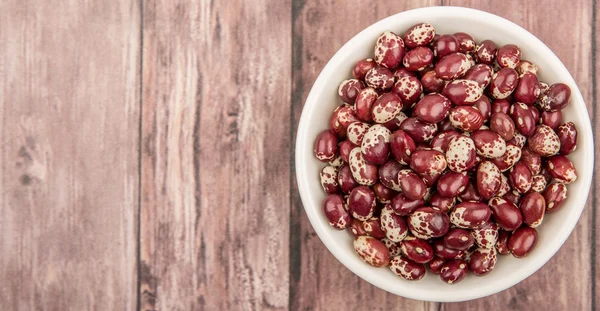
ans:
(135, 137)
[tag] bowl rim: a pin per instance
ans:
(302, 176)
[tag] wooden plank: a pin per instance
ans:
(596, 181)
(318, 280)
(69, 111)
(215, 160)
(567, 275)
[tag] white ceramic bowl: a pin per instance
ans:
(323, 99)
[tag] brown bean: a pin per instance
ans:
(435, 265)
(345, 179)
(463, 92)
(504, 186)
(525, 66)
(488, 143)
(444, 45)
(485, 52)
(419, 35)
(349, 89)
(518, 140)
(461, 154)
(488, 179)
(372, 227)
(470, 215)
(361, 68)
(431, 82)
(442, 203)
(361, 203)
(412, 185)
(484, 105)
(428, 162)
(528, 89)
(544, 141)
(441, 141)
(451, 184)
(505, 214)
(383, 194)
(325, 147)
(393, 225)
(418, 58)
(407, 269)
(389, 50)
(522, 241)
(432, 108)
(521, 115)
(501, 105)
(532, 159)
(452, 66)
(481, 74)
(356, 132)
(535, 113)
(503, 125)
(394, 124)
(538, 183)
(335, 212)
(551, 118)
(356, 228)
(502, 244)
(567, 135)
(533, 207)
(520, 177)
(562, 169)
(470, 193)
(388, 174)
(364, 104)
(466, 118)
(409, 89)
(393, 247)
(508, 56)
(554, 195)
(386, 107)
(363, 172)
(442, 251)
(372, 251)
(465, 42)
(458, 239)
(402, 146)
(375, 144)
(486, 236)
(403, 206)
(556, 97)
(483, 260)
(454, 271)
(416, 250)
(510, 157)
(513, 197)
(403, 72)
(341, 118)
(329, 176)
(418, 130)
(379, 78)
(426, 223)
(503, 83)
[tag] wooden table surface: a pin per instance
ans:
(147, 155)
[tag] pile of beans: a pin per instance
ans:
(444, 154)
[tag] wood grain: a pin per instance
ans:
(569, 271)
(69, 99)
(215, 160)
(319, 281)
(595, 87)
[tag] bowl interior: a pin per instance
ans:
(323, 99)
